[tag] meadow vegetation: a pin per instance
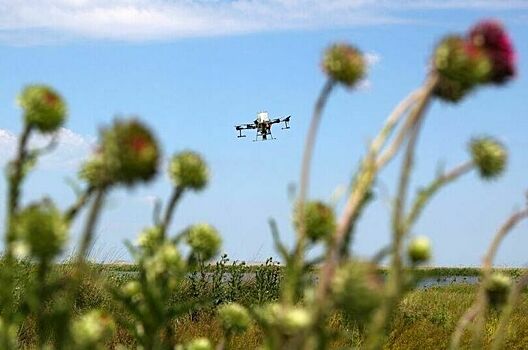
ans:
(175, 298)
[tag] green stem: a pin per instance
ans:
(42, 296)
(502, 328)
(175, 198)
(15, 177)
(478, 309)
(73, 210)
(426, 193)
(296, 263)
(91, 222)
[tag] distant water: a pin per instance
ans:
(427, 282)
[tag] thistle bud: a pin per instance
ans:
(491, 37)
(188, 170)
(42, 228)
(319, 220)
(234, 317)
(344, 63)
(166, 260)
(94, 172)
(460, 61)
(419, 250)
(357, 288)
(294, 319)
(497, 289)
(150, 238)
(199, 344)
(131, 289)
(130, 152)
(44, 108)
(92, 329)
(204, 240)
(489, 156)
(451, 90)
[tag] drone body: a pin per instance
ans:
(263, 125)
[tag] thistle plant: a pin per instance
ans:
(294, 303)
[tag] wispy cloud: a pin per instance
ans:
(27, 22)
(70, 150)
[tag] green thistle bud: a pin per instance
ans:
(188, 170)
(150, 238)
(199, 344)
(344, 63)
(131, 289)
(42, 228)
(94, 172)
(450, 90)
(497, 289)
(458, 60)
(166, 260)
(489, 156)
(234, 317)
(419, 250)
(358, 290)
(130, 152)
(319, 220)
(92, 329)
(44, 108)
(204, 240)
(294, 320)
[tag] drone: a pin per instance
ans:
(263, 125)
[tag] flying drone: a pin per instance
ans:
(263, 125)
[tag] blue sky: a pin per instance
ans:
(193, 69)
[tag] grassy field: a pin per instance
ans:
(425, 319)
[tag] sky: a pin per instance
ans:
(193, 69)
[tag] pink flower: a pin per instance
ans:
(493, 39)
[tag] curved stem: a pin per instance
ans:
(430, 190)
(297, 255)
(89, 229)
(176, 195)
(15, 177)
(75, 208)
(479, 307)
(500, 333)
(365, 178)
(381, 319)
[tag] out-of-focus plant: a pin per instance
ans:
(294, 303)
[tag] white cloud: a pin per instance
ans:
(70, 150)
(28, 22)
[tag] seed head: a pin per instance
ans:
(490, 157)
(319, 220)
(419, 250)
(188, 170)
(234, 317)
(344, 64)
(204, 240)
(44, 109)
(130, 152)
(42, 228)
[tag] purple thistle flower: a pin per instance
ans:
(493, 39)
